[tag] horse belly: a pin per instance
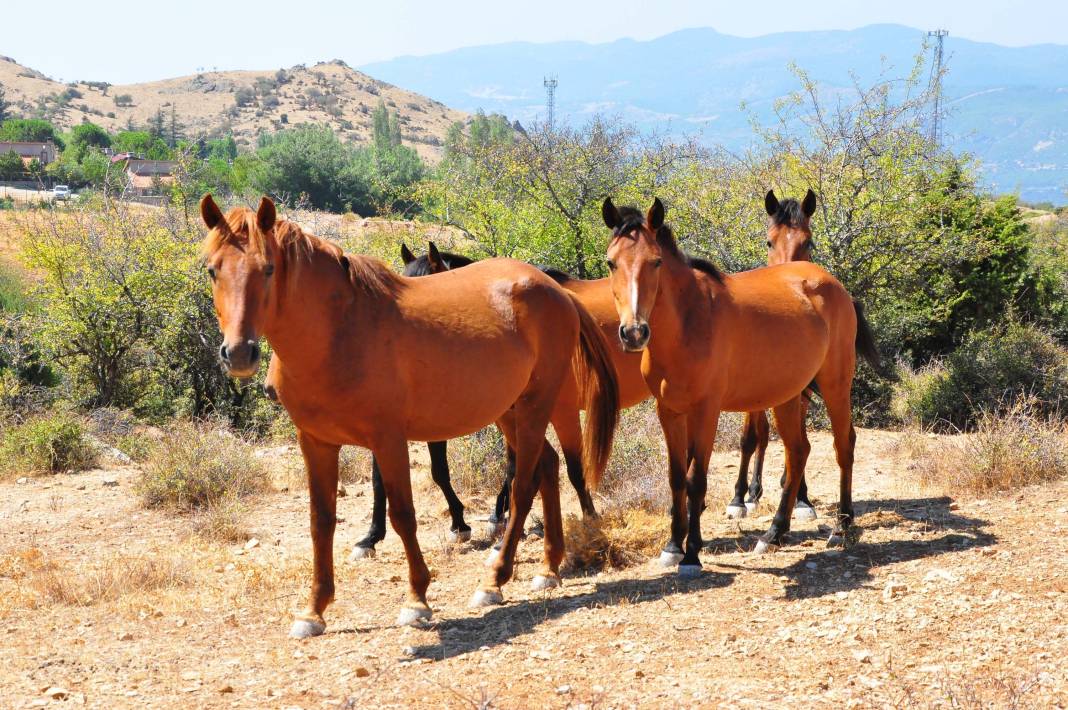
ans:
(775, 365)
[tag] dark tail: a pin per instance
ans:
(595, 376)
(866, 346)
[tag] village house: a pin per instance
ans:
(43, 151)
(147, 176)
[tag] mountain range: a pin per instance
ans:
(1007, 106)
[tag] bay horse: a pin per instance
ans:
(789, 239)
(358, 352)
(742, 342)
(596, 296)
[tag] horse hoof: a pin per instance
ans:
(689, 571)
(670, 559)
(458, 535)
(735, 512)
(751, 505)
(542, 582)
(306, 628)
(486, 597)
(837, 539)
(493, 530)
(763, 547)
(361, 553)
(492, 556)
(804, 512)
(415, 615)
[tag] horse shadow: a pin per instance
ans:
(501, 624)
(822, 572)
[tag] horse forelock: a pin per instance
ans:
(633, 222)
(790, 215)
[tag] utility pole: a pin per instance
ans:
(550, 99)
(936, 86)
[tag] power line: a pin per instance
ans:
(550, 84)
(936, 86)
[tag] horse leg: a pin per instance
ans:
(528, 441)
(756, 488)
(377, 532)
(569, 432)
(549, 487)
(845, 439)
(320, 460)
(460, 531)
(736, 508)
(396, 477)
(803, 509)
(499, 516)
(795, 441)
(678, 446)
(702, 430)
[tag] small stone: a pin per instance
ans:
(939, 575)
(179, 622)
(127, 636)
(862, 656)
(638, 673)
(21, 480)
(341, 492)
(954, 505)
(57, 693)
(226, 688)
(893, 590)
(989, 551)
(362, 672)
(408, 650)
(230, 567)
(80, 487)
(252, 542)
(563, 690)
(811, 565)
(109, 482)
(190, 675)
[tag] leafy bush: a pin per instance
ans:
(477, 462)
(1009, 449)
(48, 443)
(987, 373)
(196, 466)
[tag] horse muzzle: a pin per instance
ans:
(241, 359)
(634, 336)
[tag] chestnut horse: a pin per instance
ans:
(789, 239)
(358, 351)
(743, 342)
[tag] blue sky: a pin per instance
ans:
(124, 41)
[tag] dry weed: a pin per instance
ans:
(618, 538)
(221, 521)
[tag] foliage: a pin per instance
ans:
(86, 136)
(987, 373)
(194, 467)
(48, 443)
(142, 144)
(29, 129)
(11, 167)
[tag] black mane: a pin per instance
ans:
(557, 275)
(789, 214)
(632, 218)
(420, 266)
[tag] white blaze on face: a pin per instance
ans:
(634, 298)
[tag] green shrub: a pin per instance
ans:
(987, 373)
(48, 443)
(196, 466)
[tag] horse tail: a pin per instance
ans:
(598, 388)
(866, 346)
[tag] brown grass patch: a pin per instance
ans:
(1005, 452)
(618, 538)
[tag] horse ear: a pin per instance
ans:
(771, 203)
(808, 205)
(437, 264)
(610, 214)
(654, 218)
(406, 254)
(266, 215)
(210, 212)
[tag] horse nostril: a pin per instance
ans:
(643, 330)
(254, 352)
(622, 334)
(223, 354)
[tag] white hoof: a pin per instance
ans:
(804, 512)
(492, 556)
(751, 505)
(361, 553)
(762, 547)
(483, 598)
(413, 616)
(735, 512)
(306, 628)
(670, 559)
(837, 539)
(458, 535)
(542, 582)
(689, 571)
(493, 530)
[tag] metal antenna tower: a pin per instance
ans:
(550, 99)
(936, 86)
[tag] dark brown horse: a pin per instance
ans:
(743, 342)
(789, 239)
(358, 350)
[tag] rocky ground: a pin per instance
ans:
(941, 603)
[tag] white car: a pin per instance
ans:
(61, 192)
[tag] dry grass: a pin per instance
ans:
(618, 538)
(477, 463)
(44, 581)
(47, 443)
(221, 521)
(1005, 452)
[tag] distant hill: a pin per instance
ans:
(1008, 106)
(206, 104)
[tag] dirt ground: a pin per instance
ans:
(941, 603)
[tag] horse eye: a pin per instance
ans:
(769, 244)
(611, 264)
(809, 245)
(211, 273)
(268, 270)
(657, 263)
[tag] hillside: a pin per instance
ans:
(1007, 105)
(206, 104)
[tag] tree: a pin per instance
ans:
(29, 130)
(5, 105)
(176, 129)
(11, 167)
(123, 100)
(141, 143)
(157, 124)
(87, 136)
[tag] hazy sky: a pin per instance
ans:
(124, 41)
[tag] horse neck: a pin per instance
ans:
(673, 313)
